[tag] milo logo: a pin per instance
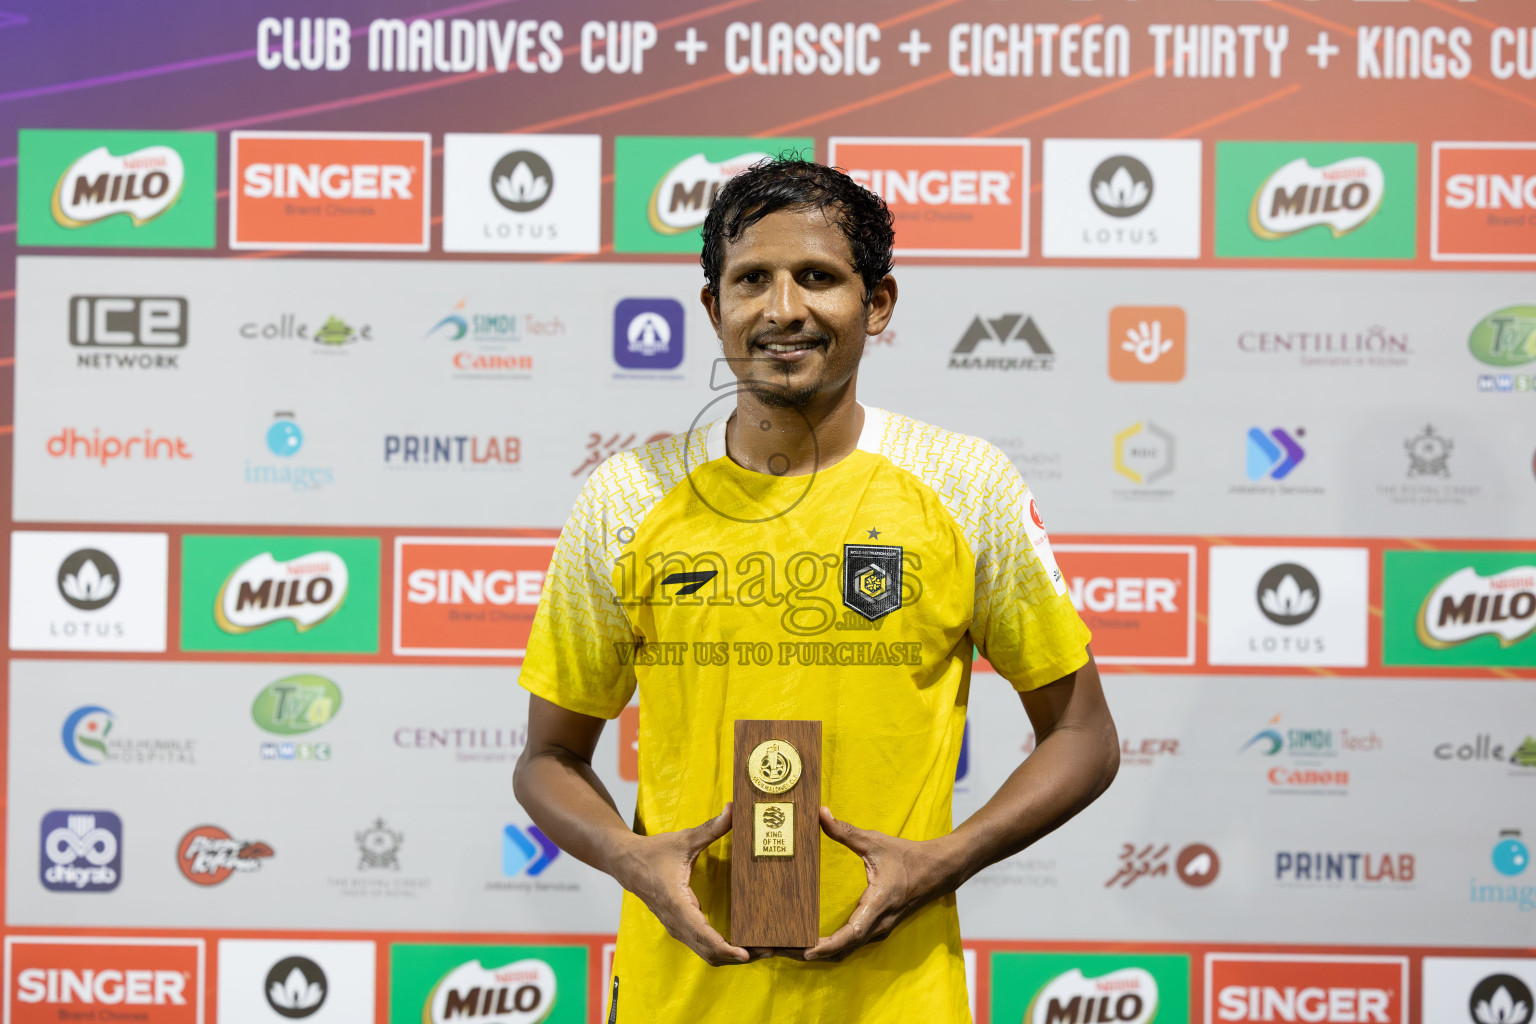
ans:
(1341, 196)
(1466, 605)
(1126, 996)
(307, 590)
(142, 184)
(519, 993)
(685, 193)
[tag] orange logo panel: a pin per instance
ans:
(629, 744)
(472, 599)
(1323, 990)
(113, 980)
(947, 197)
(1138, 601)
(329, 191)
(1485, 202)
(1146, 343)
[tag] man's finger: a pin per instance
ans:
(851, 935)
(705, 941)
(700, 836)
(859, 840)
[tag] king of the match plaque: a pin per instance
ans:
(776, 834)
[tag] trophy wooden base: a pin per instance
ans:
(776, 834)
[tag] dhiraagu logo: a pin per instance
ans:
(1316, 200)
(1089, 988)
(665, 185)
(494, 984)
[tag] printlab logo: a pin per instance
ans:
(1275, 453)
(648, 334)
(526, 851)
(208, 855)
(82, 851)
(1196, 865)
(1500, 999)
(521, 181)
(1361, 869)
(127, 332)
(88, 579)
(1147, 343)
(284, 438)
(295, 987)
(1121, 186)
(1144, 453)
(1288, 594)
(1014, 333)
(378, 847)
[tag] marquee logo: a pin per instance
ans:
(947, 197)
(147, 981)
(474, 597)
(208, 855)
(1024, 346)
(305, 590)
(1259, 988)
(1139, 601)
(1484, 204)
(1466, 605)
(522, 992)
(1341, 196)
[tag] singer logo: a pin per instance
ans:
(148, 981)
(949, 197)
(1484, 202)
(1264, 989)
(467, 596)
(1139, 601)
(330, 190)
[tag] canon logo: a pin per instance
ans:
(1124, 594)
(331, 181)
(90, 987)
(1312, 1005)
(455, 586)
(1491, 191)
(937, 187)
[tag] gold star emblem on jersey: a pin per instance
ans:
(872, 582)
(774, 766)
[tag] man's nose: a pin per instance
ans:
(786, 301)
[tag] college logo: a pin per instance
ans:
(118, 327)
(1265, 606)
(467, 597)
(330, 190)
(295, 987)
(1121, 198)
(1470, 608)
(872, 578)
(526, 851)
(1316, 200)
(665, 185)
(330, 336)
(1014, 332)
(648, 334)
(88, 591)
(1485, 201)
(116, 189)
(521, 193)
(947, 197)
(1086, 988)
(208, 855)
(496, 984)
(1274, 453)
(82, 851)
(1261, 988)
(1144, 453)
(1147, 343)
(148, 981)
(1506, 338)
(1139, 601)
(279, 593)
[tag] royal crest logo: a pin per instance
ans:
(872, 578)
(379, 847)
(1429, 454)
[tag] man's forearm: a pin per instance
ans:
(571, 805)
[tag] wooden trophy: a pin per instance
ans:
(776, 835)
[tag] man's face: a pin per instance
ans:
(791, 313)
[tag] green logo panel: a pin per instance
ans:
(663, 185)
(116, 189)
(444, 984)
(1316, 200)
(1085, 988)
(1470, 609)
(1505, 338)
(298, 594)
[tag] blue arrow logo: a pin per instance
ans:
(526, 851)
(1273, 454)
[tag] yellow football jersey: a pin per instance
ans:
(853, 596)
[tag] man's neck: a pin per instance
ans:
(794, 442)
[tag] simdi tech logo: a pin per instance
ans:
(441, 984)
(1484, 205)
(1084, 988)
(664, 185)
(1139, 600)
(1316, 200)
(116, 189)
(1263, 988)
(1462, 608)
(467, 596)
(367, 191)
(522, 193)
(250, 593)
(948, 197)
(148, 981)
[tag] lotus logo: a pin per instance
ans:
(519, 993)
(1466, 605)
(1121, 186)
(521, 181)
(142, 184)
(88, 579)
(306, 590)
(1501, 999)
(1126, 996)
(682, 198)
(1288, 594)
(1298, 196)
(296, 987)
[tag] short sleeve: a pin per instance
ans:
(579, 653)
(1024, 622)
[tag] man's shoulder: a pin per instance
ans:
(936, 455)
(648, 471)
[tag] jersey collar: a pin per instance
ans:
(869, 437)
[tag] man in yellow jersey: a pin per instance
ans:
(803, 557)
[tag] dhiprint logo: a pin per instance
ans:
(1147, 343)
(208, 855)
(1288, 594)
(1274, 454)
(1484, 203)
(73, 444)
(128, 325)
(521, 181)
(82, 851)
(648, 334)
(1014, 332)
(88, 579)
(526, 851)
(1121, 186)
(522, 193)
(295, 987)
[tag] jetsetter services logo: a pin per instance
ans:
(1139, 600)
(949, 197)
(1083, 988)
(467, 596)
(1121, 199)
(1318, 200)
(664, 185)
(1463, 608)
(522, 193)
(148, 981)
(1484, 205)
(330, 190)
(1260, 988)
(497, 984)
(112, 189)
(280, 594)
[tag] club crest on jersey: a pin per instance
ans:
(872, 578)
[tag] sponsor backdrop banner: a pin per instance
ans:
(314, 323)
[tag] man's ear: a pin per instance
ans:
(882, 306)
(711, 307)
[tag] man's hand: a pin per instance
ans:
(904, 875)
(657, 868)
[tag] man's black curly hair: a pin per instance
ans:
(786, 182)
